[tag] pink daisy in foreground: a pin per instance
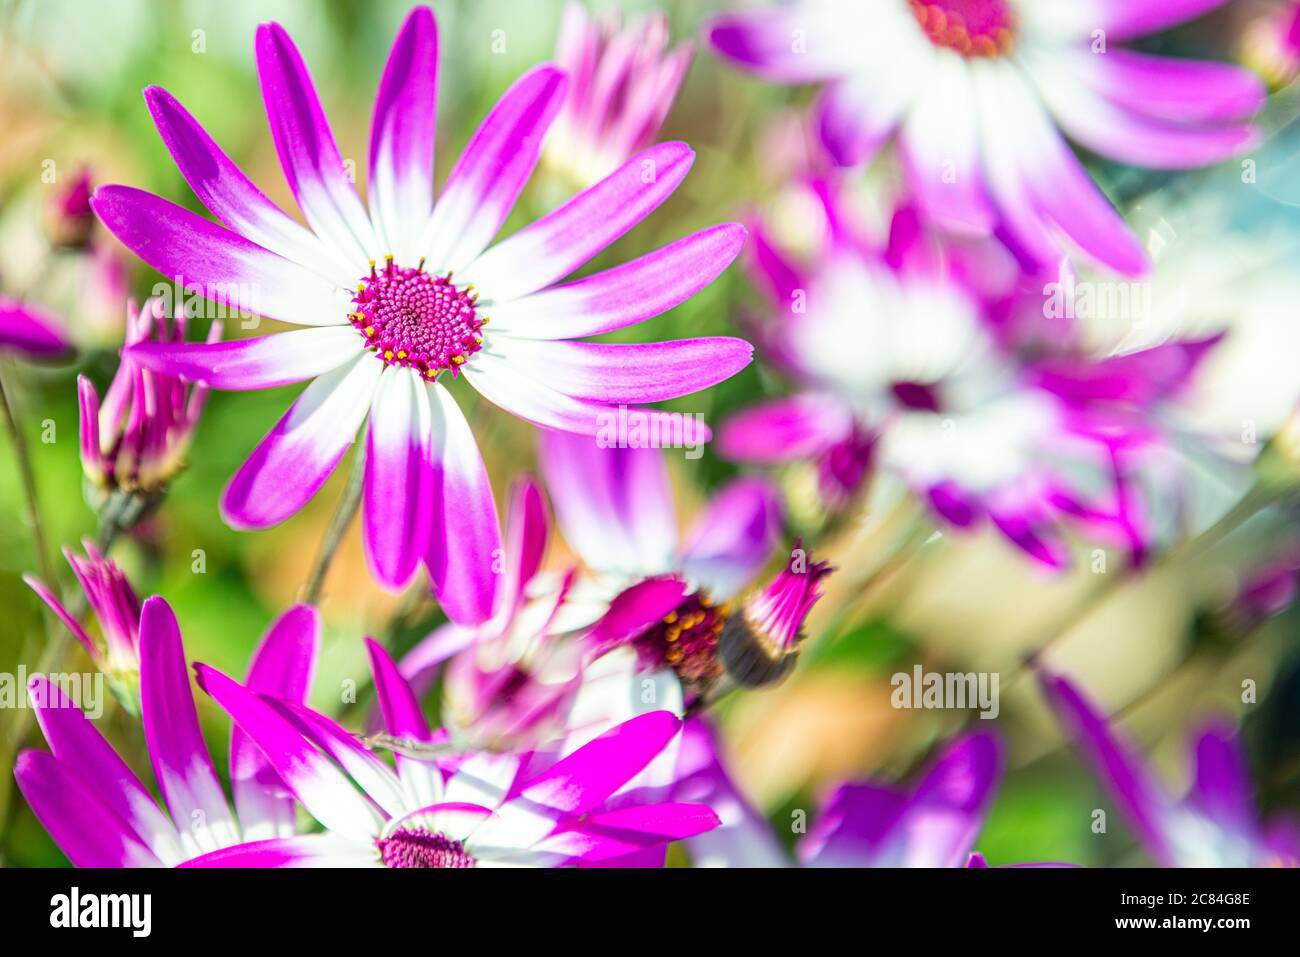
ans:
(974, 91)
(519, 809)
(98, 811)
(399, 298)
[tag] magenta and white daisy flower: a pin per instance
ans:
(1214, 825)
(622, 83)
(98, 811)
(919, 384)
(973, 92)
(507, 809)
(398, 297)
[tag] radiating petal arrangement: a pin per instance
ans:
(1002, 389)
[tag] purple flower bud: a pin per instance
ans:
(622, 83)
(116, 608)
(760, 645)
(135, 439)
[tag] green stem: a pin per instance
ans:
(343, 516)
(27, 477)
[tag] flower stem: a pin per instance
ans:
(343, 516)
(22, 456)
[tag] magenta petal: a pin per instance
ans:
(627, 294)
(744, 838)
(946, 812)
(864, 825)
(1181, 91)
(402, 136)
(56, 606)
(614, 504)
(231, 196)
(1222, 788)
(856, 117)
(321, 788)
(281, 666)
(309, 850)
(263, 362)
(310, 157)
(491, 173)
(558, 243)
(503, 384)
(402, 714)
(941, 150)
(612, 834)
(1129, 780)
(466, 540)
(527, 528)
(77, 744)
(86, 831)
(783, 430)
(225, 267)
(181, 763)
(29, 331)
(773, 270)
(582, 781)
(762, 41)
(1124, 20)
(298, 455)
(1043, 185)
(363, 766)
(397, 509)
(635, 609)
(436, 647)
(624, 373)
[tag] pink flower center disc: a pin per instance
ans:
(414, 319)
(420, 847)
(974, 28)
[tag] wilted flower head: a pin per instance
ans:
(116, 608)
(759, 645)
(622, 83)
(135, 441)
